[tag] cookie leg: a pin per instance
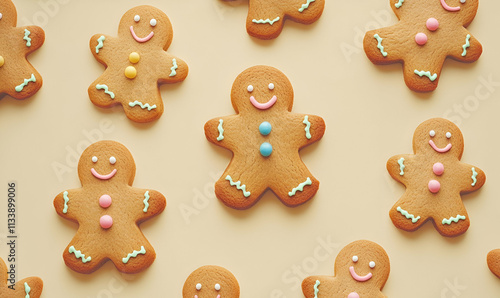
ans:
(264, 20)
(104, 93)
(493, 260)
(306, 11)
(407, 217)
(239, 191)
(82, 257)
(452, 222)
(296, 188)
(24, 81)
(424, 76)
(31, 285)
(135, 255)
(143, 105)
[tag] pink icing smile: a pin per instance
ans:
(357, 277)
(440, 150)
(141, 39)
(449, 8)
(263, 106)
(103, 177)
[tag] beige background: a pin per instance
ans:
(370, 116)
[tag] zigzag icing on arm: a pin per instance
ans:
(300, 187)
(27, 290)
(474, 175)
(379, 45)
(134, 254)
(268, 21)
(106, 90)
(238, 186)
(408, 215)
(173, 68)
(453, 219)
(401, 166)
(78, 254)
(221, 130)
(143, 106)
(26, 81)
(27, 38)
(146, 201)
(307, 128)
(66, 199)
(305, 5)
(466, 45)
(427, 74)
(316, 290)
(400, 2)
(100, 44)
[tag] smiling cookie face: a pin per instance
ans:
(438, 136)
(106, 161)
(146, 24)
(364, 262)
(261, 88)
(211, 282)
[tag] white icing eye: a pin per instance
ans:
(250, 88)
(217, 287)
(448, 135)
(137, 18)
(271, 86)
(112, 160)
(1, 15)
(152, 22)
(432, 133)
(355, 259)
(94, 159)
(372, 264)
(198, 286)
(462, 1)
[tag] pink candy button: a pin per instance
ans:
(106, 221)
(438, 168)
(421, 39)
(434, 186)
(105, 201)
(432, 24)
(353, 295)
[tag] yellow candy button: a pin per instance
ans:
(134, 57)
(2, 61)
(130, 72)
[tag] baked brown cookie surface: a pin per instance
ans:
(30, 287)
(211, 282)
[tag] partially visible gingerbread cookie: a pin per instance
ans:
(361, 270)
(428, 32)
(30, 287)
(211, 282)
(265, 138)
(493, 260)
(108, 210)
(434, 178)
(136, 63)
(18, 78)
(266, 18)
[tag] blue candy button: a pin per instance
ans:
(265, 128)
(266, 149)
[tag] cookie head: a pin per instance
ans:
(106, 161)
(8, 14)
(261, 88)
(146, 25)
(211, 282)
(462, 9)
(438, 136)
(365, 262)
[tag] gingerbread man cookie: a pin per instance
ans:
(18, 78)
(361, 270)
(265, 138)
(266, 18)
(30, 287)
(429, 31)
(108, 210)
(136, 63)
(211, 282)
(434, 178)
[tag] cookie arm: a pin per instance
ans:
(472, 178)
(468, 49)
(101, 46)
(385, 45)
(221, 131)
(318, 286)
(62, 203)
(313, 128)
(31, 285)
(33, 37)
(398, 167)
(172, 69)
(153, 203)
